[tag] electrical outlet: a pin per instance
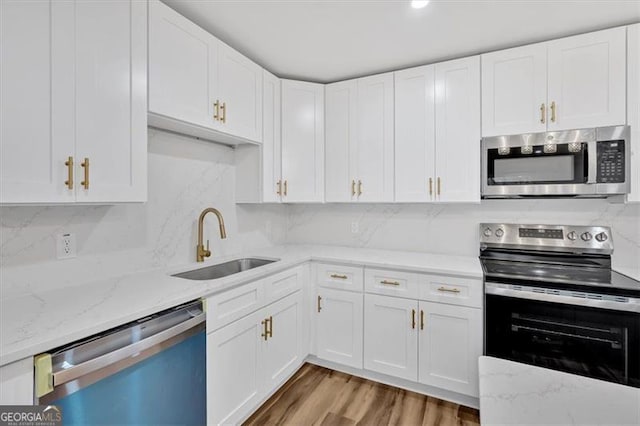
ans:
(355, 227)
(66, 246)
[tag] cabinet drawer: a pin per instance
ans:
(392, 283)
(282, 284)
(339, 277)
(451, 290)
(234, 304)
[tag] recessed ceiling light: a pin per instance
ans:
(419, 4)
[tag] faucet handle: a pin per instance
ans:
(207, 252)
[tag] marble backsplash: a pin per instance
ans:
(185, 176)
(453, 228)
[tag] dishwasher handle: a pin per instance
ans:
(72, 373)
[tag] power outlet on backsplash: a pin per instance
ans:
(66, 246)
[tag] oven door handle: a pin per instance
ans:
(507, 290)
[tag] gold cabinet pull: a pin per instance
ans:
(413, 318)
(69, 164)
(439, 185)
(359, 188)
(279, 190)
(216, 114)
(553, 111)
(286, 187)
(448, 290)
(265, 333)
(421, 319)
(353, 188)
(542, 113)
(342, 277)
(85, 166)
(223, 108)
(319, 306)
(430, 186)
(270, 320)
(387, 282)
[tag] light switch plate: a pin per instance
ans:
(66, 246)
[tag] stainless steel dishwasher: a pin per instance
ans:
(150, 371)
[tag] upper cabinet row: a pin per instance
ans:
(569, 83)
(199, 85)
(73, 101)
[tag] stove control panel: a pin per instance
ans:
(593, 239)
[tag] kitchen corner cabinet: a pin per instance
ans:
(73, 101)
(569, 83)
(199, 85)
(359, 140)
(437, 158)
(16, 383)
(302, 142)
(633, 107)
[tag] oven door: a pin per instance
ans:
(559, 163)
(582, 339)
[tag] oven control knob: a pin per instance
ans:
(586, 236)
(572, 235)
(487, 232)
(601, 237)
(499, 232)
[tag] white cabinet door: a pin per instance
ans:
(514, 91)
(111, 100)
(341, 112)
(339, 330)
(235, 369)
(391, 336)
(414, 134)
(283, 348)
(449, 347)
(458, 130)
(16, 383)
(587, 75)
(633, 107)
(374, 146)
(239, 91)
(36, 101)
(271, 140)
(182, 67)
(302, 141)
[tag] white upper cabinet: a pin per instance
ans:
(415, 134)
(359, 123)
(302, 141)
(514, 91)
(569, 83)
(73, 101)
(199, 85)
(633, 108)
(457, 159)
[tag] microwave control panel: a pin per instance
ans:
(611, 167)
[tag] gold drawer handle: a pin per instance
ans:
(359, 188)
(85, 166)
(69, 164)
(542, 113)
(430, 186)
(353, 188)
(553, 111)
(223, 107)
(386, 282)
(270, 326)
(216, 114)
(421, 319)
(439, 185)
(319, 306)
(286, 187)
(342, 277)
(413, 318)
(265, 334)
(449, 290)
(279, 191)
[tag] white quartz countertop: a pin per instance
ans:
(518, 394)
(38, 321)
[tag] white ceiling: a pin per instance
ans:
(331, 40)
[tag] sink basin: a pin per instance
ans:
(223, 269)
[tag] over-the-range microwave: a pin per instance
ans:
(572, 163)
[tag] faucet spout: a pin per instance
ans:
(203, 252)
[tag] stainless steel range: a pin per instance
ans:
(552, 300)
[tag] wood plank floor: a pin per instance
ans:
(319, 396)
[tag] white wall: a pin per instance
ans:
(185, 176)
(453, 229)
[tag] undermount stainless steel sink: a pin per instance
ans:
(224, 269)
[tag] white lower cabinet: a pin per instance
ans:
(391, 336)
(450, 343)
(16, 383)
(339, 331)
(249, 358)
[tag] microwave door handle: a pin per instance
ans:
(592, 153)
